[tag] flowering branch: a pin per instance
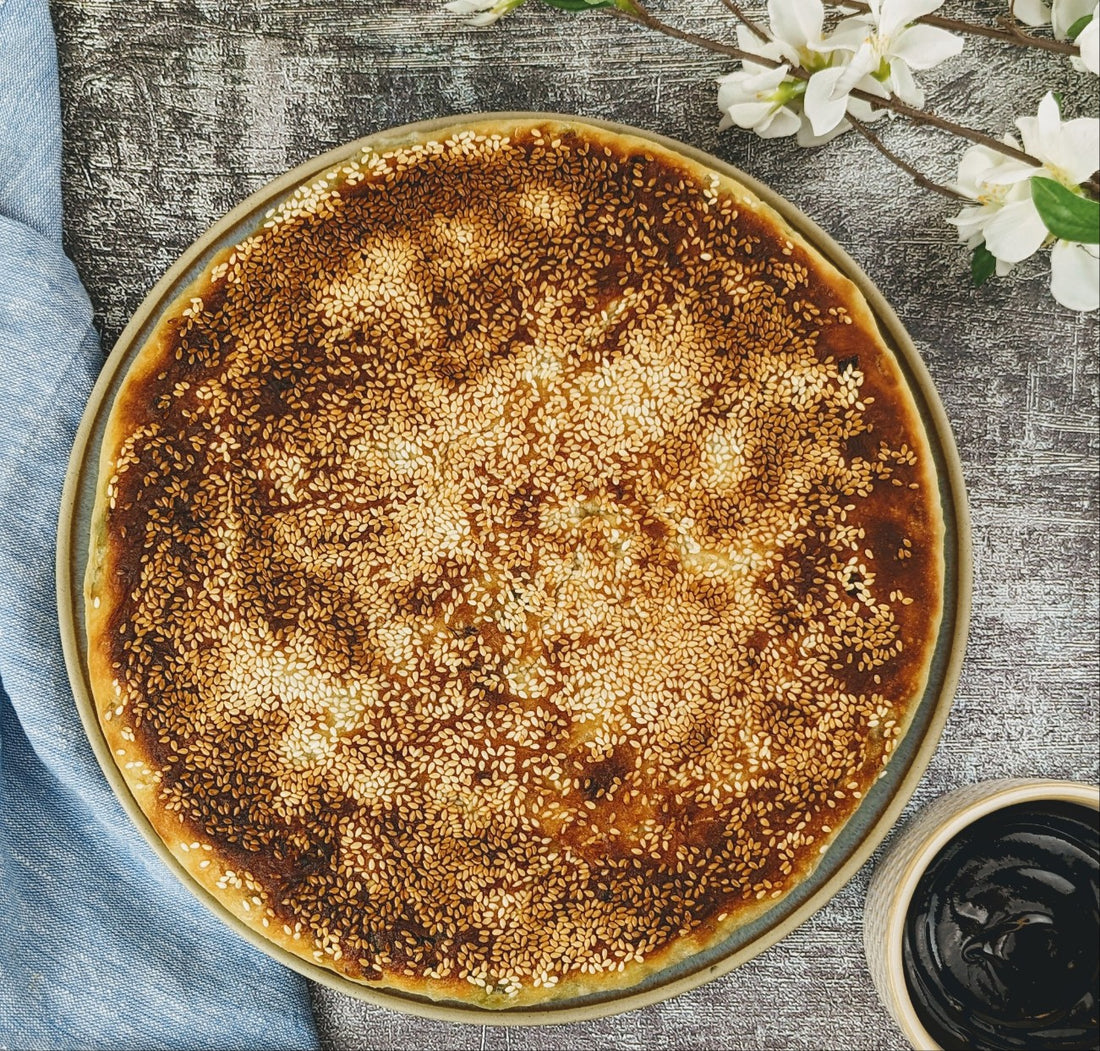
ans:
(1009, 33)
(639, 13)
(918, 177)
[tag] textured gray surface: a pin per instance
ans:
(174, 111)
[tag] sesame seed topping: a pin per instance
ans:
(524, 558)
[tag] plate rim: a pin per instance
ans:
(71, 557)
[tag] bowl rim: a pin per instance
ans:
(1001, 794)
(937, 697)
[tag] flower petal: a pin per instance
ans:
(897, 13)
(975, 167)
(1088, 40)
(784, 121)
(1029, 133)
(1075, 275)
(1042, 134)
(482, 12)
(1015, 232)
(903, 84)
(730, 92)
(1009, 172)
(864, 111)
(1049, 124)
(744, 85)
(797, 22)
(823, 110)
(971, 222)
(748, 41)
(1068, 149)
(748, 114)
(849, 34)
(923, 47)
(857, 67)
(1079, 148)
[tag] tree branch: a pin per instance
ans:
(642, 16)
(932, 120)
(748, 22)
(905, 166)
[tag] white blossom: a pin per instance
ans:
(1075, 275)
(1004, 216)
(756, 99)
(881, 48)
(999, 185)
(1067, 149)
(482, 12)
(771, 103)
(875, 52)
(768, 100)
(1088, 40)
(798, 30)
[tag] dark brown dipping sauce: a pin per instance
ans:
(1001, 940)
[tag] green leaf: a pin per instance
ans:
(1074, 30)
(983, 265)
(578, 5)
(1066, 214)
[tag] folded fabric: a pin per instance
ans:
(100, 946)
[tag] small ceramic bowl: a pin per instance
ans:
(897, 875)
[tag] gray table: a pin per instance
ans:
(174, 111)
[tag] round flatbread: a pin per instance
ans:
(511, 565)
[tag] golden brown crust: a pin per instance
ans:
(511, 591)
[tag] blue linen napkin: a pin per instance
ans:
(99, 945)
